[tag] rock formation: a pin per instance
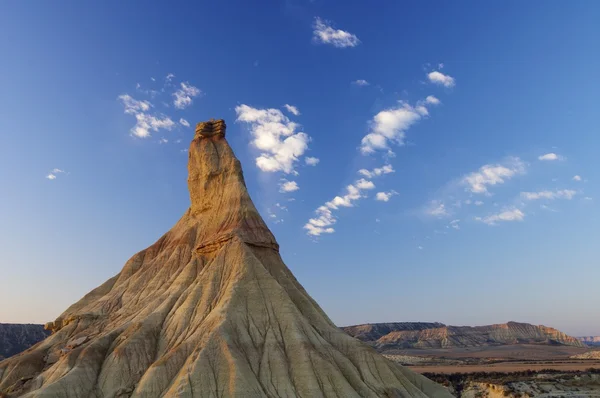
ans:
(15, 337)
(590, 340)
(209, 310)
(385, 336)
(587, 355)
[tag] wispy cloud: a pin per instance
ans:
(385, 196)
(184, 95)
(184, 122)
(276, 136)
(376, 172)
(324, 33)
(550, 195)
(288, 186)
(145, 122)
(311, 161)
(323, 223)
(437, 77)
(577, 178)
(512, 214)
(454, 224)
(493, 174)
(54, 173)
(360, 82)
(292, 109)
(550, 157)
(133, 106)
(390, 125)
(437, 209)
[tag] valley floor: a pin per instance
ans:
(507, 371)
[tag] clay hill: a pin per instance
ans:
(384, 336)
(209, 310)
(590, 340)
(15, 338)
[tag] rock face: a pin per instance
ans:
(587, 355)
(209, 310)
(386, 336)
(15, 338)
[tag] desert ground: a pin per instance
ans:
(507, 371)
(511, 358)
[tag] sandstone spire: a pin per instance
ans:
(209, 310)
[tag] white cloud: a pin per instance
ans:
(163, 140)
(439, 78)
(587, 198)
(364, 184)
(478, 203)
(324, 33)
(145, 122)
(274, 134)
(53, 174)
(577, 178)
(292, 109)
(562, 194)
(324, 221)
(492, 174)
(360, 82)
(454, 224)
(420, 247)
(437, 209)
(432, 100)
(133, 106)
(183, 96)
(386, 169)
(288, 186)
(385, 196)
(184, 122)
(390, 125)
(169, 77)
(311, 161)
(507, 215)
(550, 156)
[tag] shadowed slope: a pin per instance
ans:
(209, 310)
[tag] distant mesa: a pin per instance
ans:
(385, 336)
(208, 310)
(590, 340)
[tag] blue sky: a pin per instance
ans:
(457, 145)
